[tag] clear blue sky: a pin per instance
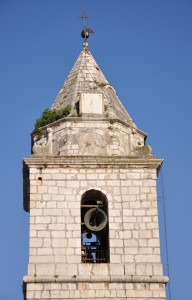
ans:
(144, 48)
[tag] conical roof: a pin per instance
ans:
(86, 76)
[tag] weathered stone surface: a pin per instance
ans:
(87, 77)
(124, 289)
(82, 136)
(102, 151)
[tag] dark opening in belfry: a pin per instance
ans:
(94, 227)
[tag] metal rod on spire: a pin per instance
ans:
(84, 17)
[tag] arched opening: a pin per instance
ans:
(94, 227)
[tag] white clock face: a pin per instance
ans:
(91, 103)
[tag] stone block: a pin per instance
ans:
(44, 251)
(58, 234)
(126, 183)
(33, 190)
(116, 243)
(60, 220)
(143, 242)
(35, 287)
(36, 211)
(157, 269)
(35, 197)
(139, 212)
(53, 190)
(45, 295)
(128, 212)
(33, 233)
(130, 269)
(31, 269)
(36, 242)
(59, 177)
(59, 242)
(70, 220)
(30, 295)
(46, 197)
(145, 250)
(153, 243)
(100, 270)
(135, 190)
(116, 269)
(145, 234)
(143, 269)
(114, 183)
(75, 212)
(131, 250)
(51, 204)
(116, 259)
(103, 294)
(76, 233)
(74, 242)
(41, 189)
(135, 234)
(59, 251)
(41, 259)
(45, 269)
(133, 175)
(56, 227)
(65, 191)
(92, 176)
(32, 251)
(65, 294)
(155, 234)
(75, 294)
(121, 293)
(43, 220)
(71, 227)
(115, 212)
(72, 259)
(73, 184)
(129, 258)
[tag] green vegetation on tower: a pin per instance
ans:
(51, 115)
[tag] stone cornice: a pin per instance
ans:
(94, 162)
(109, 279)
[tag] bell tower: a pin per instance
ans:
(90, 189)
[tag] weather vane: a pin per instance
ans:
(86, 31)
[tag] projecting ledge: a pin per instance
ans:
(93, 161)
(111, 279)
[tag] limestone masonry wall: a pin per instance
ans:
(55, 230)
(99, 291)
(88, 137)
(55, 270)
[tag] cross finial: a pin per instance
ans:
(86, 31)
(84, 17)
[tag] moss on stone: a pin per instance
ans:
(100, 84)
(49, 116)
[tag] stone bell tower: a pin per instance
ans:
(90, 188)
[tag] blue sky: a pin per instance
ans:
(144, 48)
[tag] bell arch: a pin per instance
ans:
(94, 227)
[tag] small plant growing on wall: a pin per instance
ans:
(51, 115)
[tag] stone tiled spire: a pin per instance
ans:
(86, 76)
(97, 124)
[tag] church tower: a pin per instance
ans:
(90, 188)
